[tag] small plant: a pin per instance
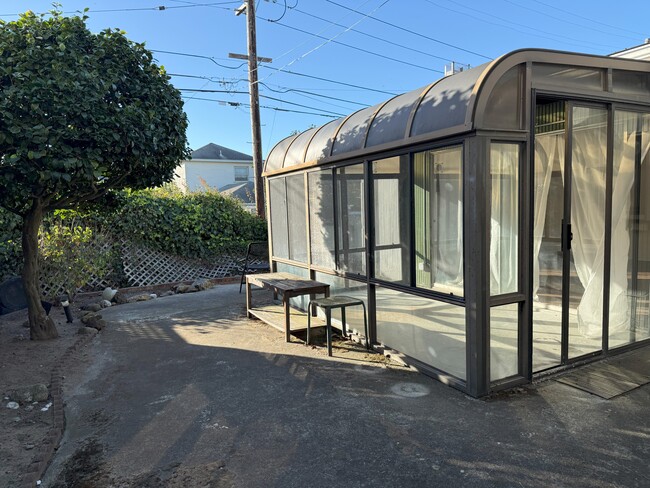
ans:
(69, 255)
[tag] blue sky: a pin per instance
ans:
(378, 58)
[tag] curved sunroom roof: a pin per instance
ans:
(451, 105)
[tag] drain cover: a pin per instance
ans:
(410, 390)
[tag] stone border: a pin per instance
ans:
(45, 452)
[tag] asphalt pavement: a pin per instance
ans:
(185, 391)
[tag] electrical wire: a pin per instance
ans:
(378, 38)
(356, 48)
(600, 31)
(504, 24)
(198, 56)
(137, 9)
(198, 90)
(404, 29)
(283, 13)
(279, 109)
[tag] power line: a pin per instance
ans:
(282, 89)
(295, 73)
(555, 37)
(566, 21)
(279, 109)
(210, 58)
(359, 49)
(378, 38)
(198, 90)
(590, 20)
(410, 31)
(138, 9)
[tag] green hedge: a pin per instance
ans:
(201, 225)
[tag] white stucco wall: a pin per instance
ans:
(215, 174)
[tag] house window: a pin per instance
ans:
(241, 173)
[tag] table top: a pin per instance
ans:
(287, 283)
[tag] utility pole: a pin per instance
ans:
(255, 106)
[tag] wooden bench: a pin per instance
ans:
(287, 285)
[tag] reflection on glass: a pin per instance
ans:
(297, 218)
(351, 217)
(350, 288)
(321, 215)
(438, 193)
(391, 226)
(630, 263)
(547, 243)
(427, 330)
(588, 175)
(504, 337)
(504, 223)
(279, 228)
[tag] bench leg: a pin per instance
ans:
(287, 318)
(365, 325)
(249, 299)
(309, 311)
(328, 318)
(343, 322)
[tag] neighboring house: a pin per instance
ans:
(214, 166)
(636, 52)
(241, 191)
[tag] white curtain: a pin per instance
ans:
(504, 224)
(589, 156)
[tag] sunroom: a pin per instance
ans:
(495, 222)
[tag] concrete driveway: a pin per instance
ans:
(184, 391)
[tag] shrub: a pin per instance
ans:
(11, 256)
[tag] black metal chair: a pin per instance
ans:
(257, 260)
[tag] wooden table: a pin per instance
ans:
(287, 285)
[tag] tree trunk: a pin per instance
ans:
(41, 326)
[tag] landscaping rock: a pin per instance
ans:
(87, 330)
(13, 405)
(105, 303)
(108, 293)
(141, 298)
(93, 307)
(202, 284)
(120, 298)
(31, 393)
(94, 320)
(167, 294)
(186, 289)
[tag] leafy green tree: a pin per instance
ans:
(80, 114)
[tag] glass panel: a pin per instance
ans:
(297, 216)
(504, 224)
(631, 83)
(427, 330)
(438, 193)
(502, 109)
(504, 340)
(588, 170)
(392, 218)
(279, 228)
(353, 133)
(630, 264)
(568, 77)
(445, 104)
(302, 301)
(390, 123)
(296, 152)
(547, 244)
(319, 147)
(321, 215)
(350, 210)
(349, 288)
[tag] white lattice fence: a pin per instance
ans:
(142, 266)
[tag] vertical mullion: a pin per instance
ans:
(566, 252)
(636, 222)
(609, 177)
(335, 212)
(411, 237)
